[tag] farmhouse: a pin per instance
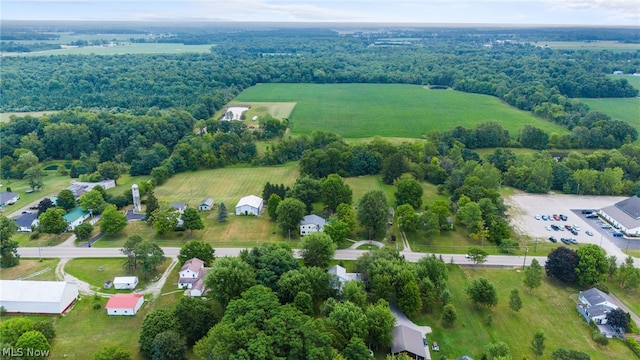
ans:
(594, 306)
(249, 205)
(125, 282)
(342, 276)
(312, 223)
(408, 341)
(37, 297)
(179, 206)
(8, 198)
(206, 204)
(192, 276)
(27, 222)
(124, 304)
(75, 217)
(624, 215)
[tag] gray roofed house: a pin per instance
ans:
(408, 341)
(312, 223)
(206, 204)
(594, 306)
(26, 222)
(179, 206)
(342, 275)
(8, 198)
(624, 215)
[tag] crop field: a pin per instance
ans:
(125, 48)
(589, 45)
(550, 308)
(365, 110)
(625, 109)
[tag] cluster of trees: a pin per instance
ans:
(20, 335)
(142, 255)
(9, 256)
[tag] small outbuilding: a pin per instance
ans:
(206, 204)
(124, 304)
(37, 297)
(311, 224)
(249, 205)
(125, 282)
(27, 222)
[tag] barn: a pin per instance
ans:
(37, 297)
(124, 304)
(249, 205)
(125, 282)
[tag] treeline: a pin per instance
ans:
(11, 46)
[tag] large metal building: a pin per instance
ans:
(37, 297)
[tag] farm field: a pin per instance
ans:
(634, 80)
(5, 117)
(550, 308)
(589, 45)
(409, 111)
(625, 109)
(27, 267)
(279, 110)
(125, 48)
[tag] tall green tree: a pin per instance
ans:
(112, 221)
(168, 345)
(289, 213)
(272, 206)
(148, 256)
(478, 254)
(228, 278)
(222, 213)
(449, 315)
(348, 321)
(34, 177)
(66, 200)
(334, 191)
(36, 342)
(356, 349)
(482, 292)
(408, 292)
(270, 262)
(154, 323)
(192, 220)
(318, 250)
(83, 231)
(92, 201)
(9, 256)
(380, 323)
(515, 302)
(533, 275)
(561, 264)
(408, 220)
(307, 190)
(52, 221)
(164, 220)
(537, 344)
(628, 275)
(408, 191)
(151, 205)
(197, 249)
(373, 213)
(592, 265)
(111, 352)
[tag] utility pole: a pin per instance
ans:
(526, 250)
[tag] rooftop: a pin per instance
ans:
(123, 301)
(25, 220)
(250, 200)
(75, 214)
(31, 290)
(312, 220)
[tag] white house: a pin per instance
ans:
(594, 306)
(76, 217)
(311, 224)
(249, 205)
(37, 297)
(8, 198)
(124, 304)
(206, 204)
(624, 215)
(342, 276)
(179, 206)
(125, 282)
(192, 275)
(26, 222)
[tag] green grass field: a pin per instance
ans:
(5, 117)
(125, 48)
(625, 109)
(409, 111)
(634, 80)
(589, 45)
(96, 271)
(550, 308)
(28, 267)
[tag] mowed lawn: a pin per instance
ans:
(28, 268)
(390, 110)
(550, 308)
(625, 109)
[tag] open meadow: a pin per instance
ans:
(615, 46)
(120, 49)
(389, 110)
(550, 308)
(31, 269)
(625, 109)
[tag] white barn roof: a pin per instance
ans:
(125, 279)
(27, 296)
(251, 200)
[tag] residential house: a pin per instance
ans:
(311, 224)
(27, 222)
(179, 206)
(249, 205)
(342, 276)
(192, 275)
(76, 217)
(624, 215)
(125, 282)
(594, 306)
(408, 341)
(206, 204)
(37, 297)
(124, 304)
(8, 198)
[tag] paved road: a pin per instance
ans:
(346, 254)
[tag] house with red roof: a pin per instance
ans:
(124, 304)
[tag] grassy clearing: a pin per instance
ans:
(27, 267)
(96, 271)
(5, 117)
(279, 110)
(629, 298)
(124, 48)
(52, 184)
(625, 109)
(550, 308)
(634, 80)
(44, 240)
(589, 45)
(393, 110)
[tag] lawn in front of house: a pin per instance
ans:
(96, 271)
(550, 308)
(28, 267)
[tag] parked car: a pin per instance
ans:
(555, 227)
(573, 241)
(574, 231)
(592, 216)
(568, 227)
(588, 232)
(548, 228)
(565, 241)
(544, 217)
(575, 227)
(553, 239)
(617, 234)
(587, 211)
(563, 217)
(537, 217)
(556, 217)
(606, 227)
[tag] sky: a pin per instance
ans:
(530, 12)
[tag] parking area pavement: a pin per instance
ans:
(524, 207)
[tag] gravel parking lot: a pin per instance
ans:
(524, 207)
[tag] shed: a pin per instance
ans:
(249, 205)
(37, 297)
(206, 204)
(26, 222)
(124, 304)
(125, 282)
(311, 224)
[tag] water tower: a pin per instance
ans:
(136, 198)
